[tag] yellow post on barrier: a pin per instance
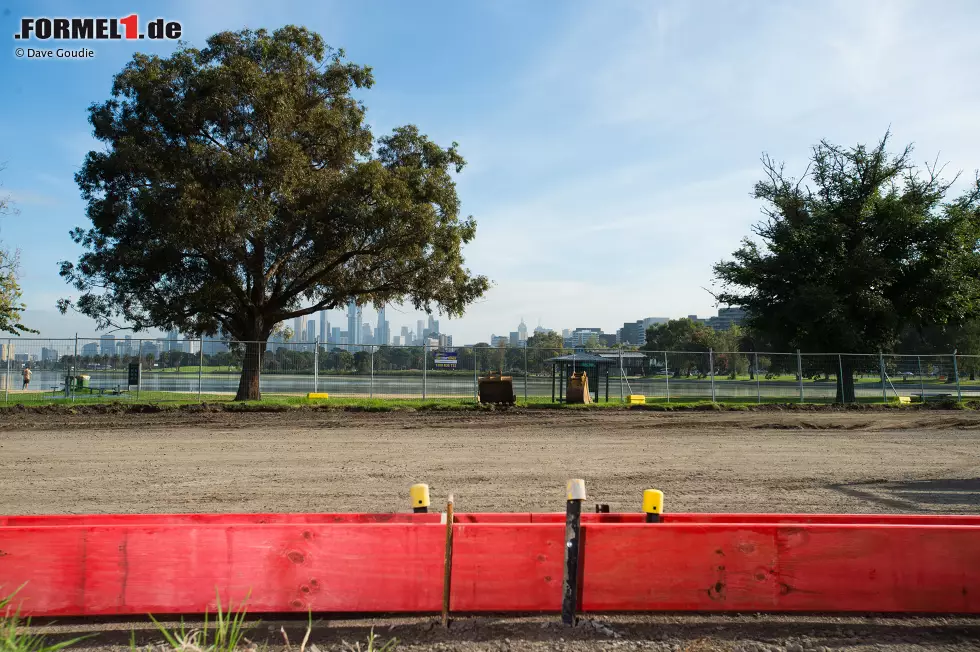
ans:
(653, 504)
(420, 498)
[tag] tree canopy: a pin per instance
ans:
(11, 307)
(860, 248)
(239, 186)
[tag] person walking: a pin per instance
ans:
(27, 377)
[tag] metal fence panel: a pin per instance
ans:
(87, 369)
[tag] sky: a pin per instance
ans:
(612, 147)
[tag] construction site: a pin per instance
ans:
(758, 541)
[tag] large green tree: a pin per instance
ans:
(863, 246)
(11, 307)
(239, 186)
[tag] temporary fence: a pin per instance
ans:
(154, 370)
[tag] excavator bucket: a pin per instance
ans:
(578, 389)
(496, 388)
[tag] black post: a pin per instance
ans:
(553, 382)
(607, 385)
(573, 539)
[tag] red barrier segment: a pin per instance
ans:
(356, 564)
(119, 570)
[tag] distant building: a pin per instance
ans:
(514, 339)
(420, 334)
(299, 329)
(324, 327)
(653, 321)
(216, 344)
(566, 333)
(354, 331)
(335, 335)
(580, 336)
(150, 349)
(22, 357)
(634, 333)
(607, 339)
(107, 345)
(542, 331)
(727, 317)
(406, 338)
(498, 340)
(311, 330)
(366, 335)
(49, 355)
(522, 331)
(171, 342)
(445, 341)
(90, 350)
(396, 340)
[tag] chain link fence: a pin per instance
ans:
(76, 370)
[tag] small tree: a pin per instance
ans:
(240, 187)
(11, 307)
(872, 248)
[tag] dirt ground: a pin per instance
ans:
(847, 461)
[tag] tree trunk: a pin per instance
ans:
(248, 384)
(845, 383)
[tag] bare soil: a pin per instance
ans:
(774, 461)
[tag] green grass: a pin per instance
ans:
(15, 635)
(227, 635)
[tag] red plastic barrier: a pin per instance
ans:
(130, 564)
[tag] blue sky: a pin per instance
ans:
(612, 146)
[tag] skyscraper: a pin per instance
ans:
(381, 336)
(324, 327)
(353, 323)
(522, 331)
(421, 332)
(299, 328)
(107, 345)
(335, 335)
(366, 337)
(406, 337)
(311, 330)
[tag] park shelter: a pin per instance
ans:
(596, 367)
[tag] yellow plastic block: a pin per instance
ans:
(420, 495)
(653, 501)
(634, 399)
(318, 395)
(904, 399)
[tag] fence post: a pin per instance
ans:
(75, 365)
(621, 373)
(139, 361)
(922, 382)
(6, 391)
(316, 364)
(525, 372)
(667, 377)
(200, 369)
(711, 364)
(371, 394)
(956, 372)
(840, 379)
(476, 366)
(799, 372)
(881, 365)
(758, 383)
(425, 364)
